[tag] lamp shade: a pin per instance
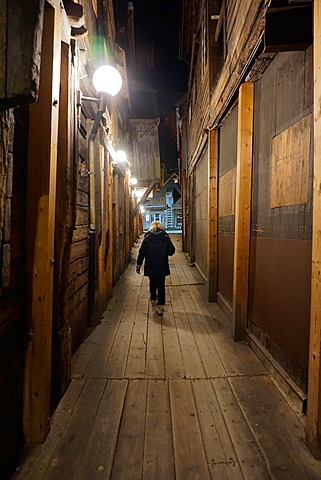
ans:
(107, 79)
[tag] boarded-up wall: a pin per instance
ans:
(13, 168)
(226, 204)
(281, 211)
(201, 208)
(79, 262)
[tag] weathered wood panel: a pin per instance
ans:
(3, 46)
(212, 232)
(42, 155)
(199, 110)
(63, 231)
(20, 79)
(281, 106)
(290, 164)
(13, 308)
(227, 187)
(314, 391)
(201, 213)
(146, 155)
(79, 250)
(246, 25)
(243, 210)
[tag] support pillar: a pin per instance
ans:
(243, 210)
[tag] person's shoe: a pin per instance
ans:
(160, 309)
(154, 303)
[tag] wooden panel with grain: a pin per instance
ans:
(290, 164)
(227, 187)
(187, 433)
(314, 387)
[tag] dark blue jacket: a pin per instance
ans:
(155, 249)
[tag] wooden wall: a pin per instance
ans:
(13, 166)
(18, 88)
(199, 88)
(78, 278)
(119, 224)
(226, 203)
(201, 213)
(280, 266)
(243, 25)
(45, 254)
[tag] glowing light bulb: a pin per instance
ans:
(121, 156)
(107, 79)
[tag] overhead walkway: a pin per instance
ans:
(169, 398)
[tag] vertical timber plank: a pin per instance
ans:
(212, 215)
(314, 386)
(129, 456)
(158, 449)
(102, 283)
(109, 246)
(41, 192)
(98, 459)
(3, 47)
(127, 220)
(61, 359)
(190, 458)
(243, 210)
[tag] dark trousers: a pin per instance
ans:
(157, 289)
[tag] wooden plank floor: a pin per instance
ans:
(169, 398)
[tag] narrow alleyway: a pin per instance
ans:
(172, 397)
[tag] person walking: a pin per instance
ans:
(155, 249)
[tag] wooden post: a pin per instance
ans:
(243, 210)
(127, 219)
(109, 235)
(192, 216)
(41, 196)
(116, 259)
(212, 216)
(102, 275)
(314, 385)
(61, 357)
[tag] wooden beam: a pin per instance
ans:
(144, 197)
(61, 357)
(3, 46)
(191, 216)
(212, 215)
(109, 235)
(242, 210)
(41, 197)
(101, 295)
(314, 385)
(127, 220)
(220, 22)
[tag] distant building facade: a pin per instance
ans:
(165, 206)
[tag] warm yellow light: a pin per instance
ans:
(107, 79)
